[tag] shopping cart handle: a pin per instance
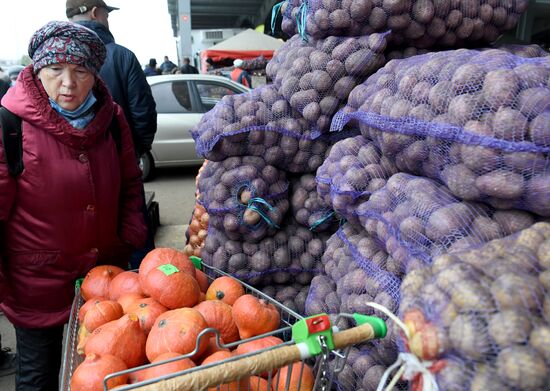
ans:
(237, 367)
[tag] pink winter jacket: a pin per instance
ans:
(77, 203)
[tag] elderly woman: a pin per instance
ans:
(77, 202)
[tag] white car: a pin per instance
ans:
(181, 100)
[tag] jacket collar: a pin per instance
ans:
(103, 32)
(28, 100)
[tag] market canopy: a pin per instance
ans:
(246, 45)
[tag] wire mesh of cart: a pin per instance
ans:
(311, 343)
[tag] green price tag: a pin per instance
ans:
(168, 269)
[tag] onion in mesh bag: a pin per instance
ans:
(478, 121)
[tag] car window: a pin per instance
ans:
(172, 97)
(211, 92)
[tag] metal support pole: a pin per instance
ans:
(184, 50)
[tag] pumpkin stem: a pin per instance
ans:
(220, 295)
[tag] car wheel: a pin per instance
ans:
(147, 165)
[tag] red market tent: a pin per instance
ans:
(246, 45)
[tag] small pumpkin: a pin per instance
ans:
(162, 256)
(258, 344)
(218, 315)
(127, 300)
(147, 311)
(226, 289)
(96, 283)
(89, 375)
(162, 369)
(237, 385)
(177, 331)
(123, 338)
(301, 378)
(202, 279)
(101, 313)
(171, 287)
(255, 316)
(123, 284)
(257, 383)
(86, 306)
(211, 349)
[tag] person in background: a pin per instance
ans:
(240, 75)
(127, 84)
(4, 86)
(13, 73)
(167, 66)
(91, 212)
(187, 67)
(151, 68)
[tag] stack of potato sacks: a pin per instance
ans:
(452, 153)
(433, 154)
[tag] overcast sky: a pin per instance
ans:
(142, 26)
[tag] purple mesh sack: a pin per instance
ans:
(261, 123)
(244, 197)
(417, 219)
(399, 54)
(316, 77)
(527, 51)
(419, 23)
(355, 274)
(293, 254)
(478, 121)
(292, 296)
(353, 170)
(487, 311)
(308, 208)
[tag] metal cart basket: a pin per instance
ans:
(309, 341)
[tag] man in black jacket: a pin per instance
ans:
(128, 85)
(121, 72)
(187, 67)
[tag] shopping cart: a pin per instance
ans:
(312, 341)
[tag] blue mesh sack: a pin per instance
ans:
(316, 76)
(244, 197)
(261, 123)
(477, 121)
(417, 219)
(353, 170)
(418, 23)
(308, 208)
(292, 255)
(355, 273)
(485, 313)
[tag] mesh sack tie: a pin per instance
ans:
(301, 19)
(274, 14)
(257, 209)
(322, 220)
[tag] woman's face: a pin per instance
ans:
(67, 84)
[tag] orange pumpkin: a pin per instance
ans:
(256, 383)
(96, 283)
(240, 384)
(162, 369)
(123, 338)
(258, 344)
(86, 306)
(147, 311)
(202, 279)
(127, 300)
(301, 378)
(255, 316)
(218, 315)
(101, 313)
(163, 256)
(226, 289)
(211, 349)
(171, 287)
(89, 375)
(176, 331)
(123, 284)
